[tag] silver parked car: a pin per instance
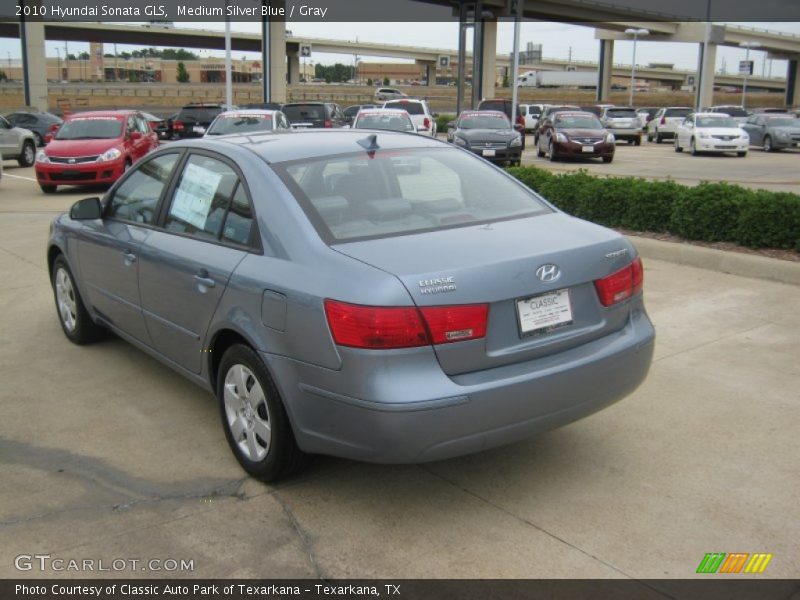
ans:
(773, 131)
(623, 122)
(337, 302)
(17, 143)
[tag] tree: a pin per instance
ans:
(183, 75)
(505, 81)
(370, 82)
(3, 76)
(84, 56)
(385, 81)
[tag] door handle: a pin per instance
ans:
(205, 281)
(129, 257)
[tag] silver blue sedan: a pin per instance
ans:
(381, 296)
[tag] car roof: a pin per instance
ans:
(312, 143)
(383, 111)
(314, 102)
(710, 114)
(496, 113)
(103, 113)
(575, 113)
(406, 100)
(250, 111)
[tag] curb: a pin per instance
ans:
(734, 263)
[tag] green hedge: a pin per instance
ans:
(711, 212)
(442, 121)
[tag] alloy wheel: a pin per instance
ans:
(247, 413)
(65, 296)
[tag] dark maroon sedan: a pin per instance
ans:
(575, 134)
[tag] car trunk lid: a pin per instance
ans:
(497, 264)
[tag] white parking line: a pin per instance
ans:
(19, 177)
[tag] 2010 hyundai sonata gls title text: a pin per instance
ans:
(379, 296)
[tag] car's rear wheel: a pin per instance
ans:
(254, 417)
(28, 154)
(72, 314)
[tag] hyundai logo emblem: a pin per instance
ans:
(548, 273)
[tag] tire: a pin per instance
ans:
(608, 159)
(693, 147)
(28, 154)
(48, 189)
(72, 314)
(539, 152)
(768, 147)
(252, 415)
(741, 154)
(677, 145)
(637, 141)
(659, 139)
(551, 151)
(649, 137)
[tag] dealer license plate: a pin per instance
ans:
(489, 152)
(588, 149)
(545, 312)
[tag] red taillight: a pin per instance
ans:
(456, 323)
(177, 124)
(426, 123)
(379, 327)
(621, 285)
(328, 124)
(663, 120)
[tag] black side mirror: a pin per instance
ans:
(87, 209)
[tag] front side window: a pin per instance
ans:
(355, 196)
(136, 199)
(201, 198)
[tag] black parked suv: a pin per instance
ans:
(504, 106)
(303, 115)
(193, 119)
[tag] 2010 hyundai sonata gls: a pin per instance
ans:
(378, 296)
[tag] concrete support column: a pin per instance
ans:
(294, 67)
(488, 60)
(430, 74)
(605, 68)
(277, 38)
(704, 82)
(793, 82)
(34, 65)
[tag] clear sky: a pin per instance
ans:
(558, 41)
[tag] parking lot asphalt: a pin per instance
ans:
(777, 171)
(107, 454)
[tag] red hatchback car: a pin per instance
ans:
(94, 148)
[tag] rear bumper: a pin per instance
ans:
(626, 134)
(405, 409)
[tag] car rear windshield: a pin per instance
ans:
(678, 112)
(91, 129)
(716, 122)
(733, 111)
(621, 113)
(397, 192)
(412, 108)
(493, 105)
(199, 115)
(395, 122)
(595, 110)
(577, 122)
(304, 112)
(240, 124)
(484, 122)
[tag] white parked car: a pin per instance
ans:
(662, 126)
(424, 120)
(738, 113)
(711, 132)
(386, 119)
(532, 113)
(384, 93)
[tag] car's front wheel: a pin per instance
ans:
(254, 417)
(28, 154)
(72, 314)
(768, 144)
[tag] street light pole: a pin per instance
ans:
(747, 46)
(635, 33)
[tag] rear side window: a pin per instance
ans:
(136, 199)
(239, 222)
(201, 198)
(350, 197)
